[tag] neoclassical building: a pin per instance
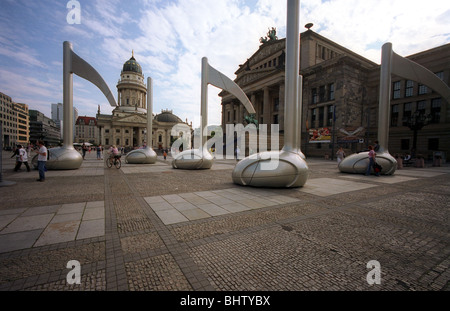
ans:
(340, 97)
(127, 126)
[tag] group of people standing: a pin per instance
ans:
(22, 158)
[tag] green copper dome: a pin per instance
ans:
(132, 65)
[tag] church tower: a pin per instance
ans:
(131, 88)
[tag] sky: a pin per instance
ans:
(169, 39)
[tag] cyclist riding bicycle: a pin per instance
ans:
(114, 152)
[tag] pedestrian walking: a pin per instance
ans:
(16, 154)
(99, 152)
(23, 158)
(165, 154)
(372, 156)
(84, 149)
(42, 160)
(340, 155)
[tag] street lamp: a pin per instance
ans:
(416, 122)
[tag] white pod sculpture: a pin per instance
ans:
(286, 168)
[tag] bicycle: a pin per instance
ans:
(114, 160)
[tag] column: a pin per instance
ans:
(266, 107)
(281, 107)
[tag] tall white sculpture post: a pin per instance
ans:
(66, 157)
(391, 63)
(286, 168)
(201, 158)
(146, 155)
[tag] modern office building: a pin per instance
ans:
(43, 128)
(57, 111)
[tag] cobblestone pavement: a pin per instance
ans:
(321, 238)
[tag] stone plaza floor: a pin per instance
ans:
(153, 228)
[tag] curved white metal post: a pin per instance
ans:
(146, 155)
(66, 157)
(201, 158)
(286, 168)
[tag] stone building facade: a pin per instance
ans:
(23, 123)
(86, 130)
(127, 126)
(410, 98)
(340, 97)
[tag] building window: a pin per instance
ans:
(276, 104)
(314, 96)
(321, 116)
(118, 141)
(394, 115)
(440, 75)
(160, 138)
(322, 93)
(313, 118)
(229, 116)
(409, 88)
(275, 119)
(421, 106)
(117, 130)
(435, 110)
(433, 144)
(330, 115)
(404, 144)
(423, 89)
(396, 88)
(407, 111)
(331, 91)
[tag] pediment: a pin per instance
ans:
(131, 118)
(267, 50)
(253, 75)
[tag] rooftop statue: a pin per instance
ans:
(251, 119)
(271, 36)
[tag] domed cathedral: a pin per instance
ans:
(127, 126)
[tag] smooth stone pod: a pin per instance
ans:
(278, 169)
(193, 159)
(141, 156)
(61, 158)
(357, 163)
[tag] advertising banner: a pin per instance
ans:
(320, 135)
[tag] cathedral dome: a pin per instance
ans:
(132, 65)
(167, 116)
